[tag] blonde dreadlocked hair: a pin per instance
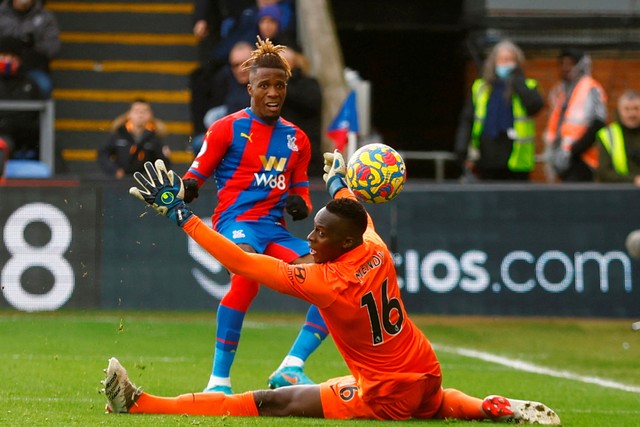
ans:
(267, 55)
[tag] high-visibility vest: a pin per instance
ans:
(613, 141)
(575, 121)
(523, 152)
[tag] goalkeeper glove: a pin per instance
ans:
(190, 190)
(296, 207)
(163, 190)
(335, 172)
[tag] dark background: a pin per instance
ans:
(414, 55)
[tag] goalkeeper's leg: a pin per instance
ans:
(291, 401)
(124, 397)
(230, 317)
(458, 405)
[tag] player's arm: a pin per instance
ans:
(335, 171)
(216, 142)
(298, 203)
(306, 282)
(258, 267)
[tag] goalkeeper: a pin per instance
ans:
(395, 374)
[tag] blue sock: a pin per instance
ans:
(313, 332)
(229, 325)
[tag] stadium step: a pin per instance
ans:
(112, 53)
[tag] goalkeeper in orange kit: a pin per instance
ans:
(395, 374)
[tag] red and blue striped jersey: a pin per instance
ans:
(255, 165)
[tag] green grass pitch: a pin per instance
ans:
(52, 364)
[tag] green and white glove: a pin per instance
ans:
(163, 190)
(335, 171)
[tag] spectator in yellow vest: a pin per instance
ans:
(619, 143)
(495, 140)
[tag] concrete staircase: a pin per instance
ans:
(114, 52)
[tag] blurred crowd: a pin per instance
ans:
(29, 40)
(496, 138)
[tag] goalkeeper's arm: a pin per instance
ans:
(334, 176)
(335, 171)
(164, 191)
(258, 267)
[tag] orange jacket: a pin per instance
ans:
(575, 120)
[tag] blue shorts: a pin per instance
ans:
(266, 238)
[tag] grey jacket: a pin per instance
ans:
(38, 29)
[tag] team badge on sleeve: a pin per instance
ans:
(296, 274)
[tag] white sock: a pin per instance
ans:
(214, 381)
(292, 361)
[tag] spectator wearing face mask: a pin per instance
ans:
(495, 140)
(19, 130)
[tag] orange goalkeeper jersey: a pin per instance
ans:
(359, 299)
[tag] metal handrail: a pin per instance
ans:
(439, 157)
(46, 108)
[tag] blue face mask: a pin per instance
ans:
(503, 71)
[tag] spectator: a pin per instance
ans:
(619, 143)
(208, 16)
(136, 137)
(578, 111)
(269, 26)
(19, 130)
(226, 92)
(206, 24)
(496, 136)
(303, 105)
(37, 28)
(244, 26)
(287, 15)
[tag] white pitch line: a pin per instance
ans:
(157, 359)
(49, 399)
(535, 369)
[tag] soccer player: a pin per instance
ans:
(259, 161)
(395, 374)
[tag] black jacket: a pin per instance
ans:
(303, 107)
(122, 151)
(21, 127)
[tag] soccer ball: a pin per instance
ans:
(376, 173)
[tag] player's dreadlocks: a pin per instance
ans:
(267, 56)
